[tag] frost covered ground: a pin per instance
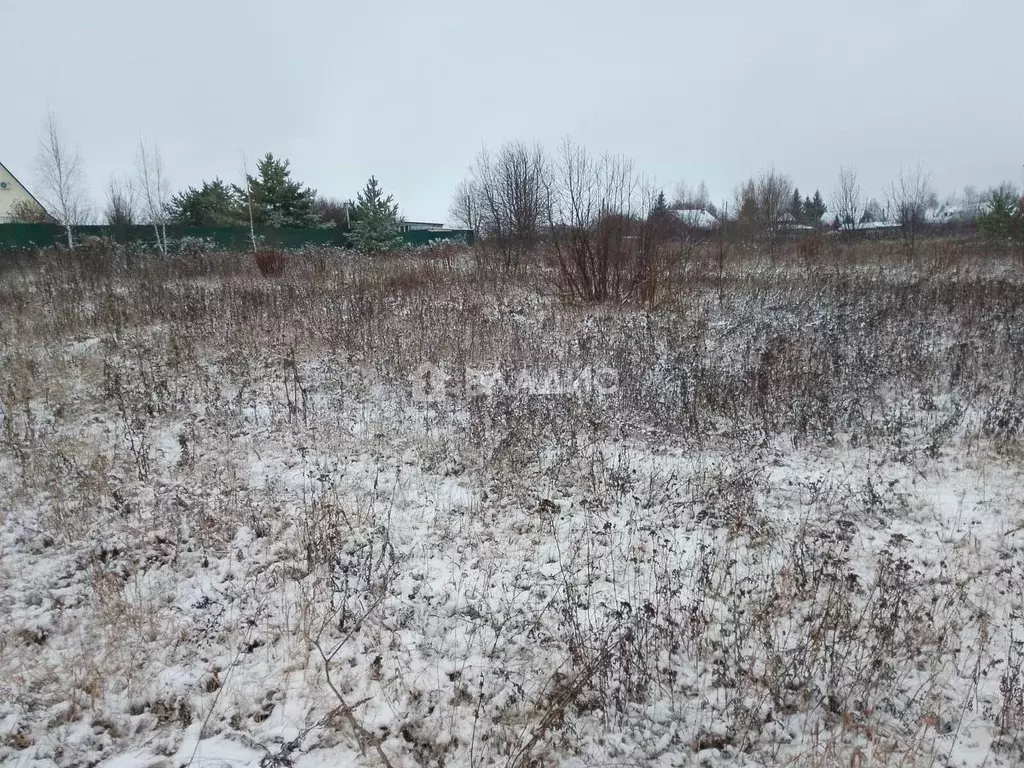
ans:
(240, 527)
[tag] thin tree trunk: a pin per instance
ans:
(252, 227)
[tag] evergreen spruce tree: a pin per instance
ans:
(376, 222)
(277, 200)
(747, 205)
(660, 207)
(660, 217)
(215, 204)
(814, 209)
(796, 209)
(819, 208)
(1004, 217)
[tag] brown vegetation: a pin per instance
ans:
(713, 559)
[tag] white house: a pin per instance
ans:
(13, 195)
(955, 213)
(697, 218)
(419, 226)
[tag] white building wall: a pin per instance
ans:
(11, 193)
(419, 226)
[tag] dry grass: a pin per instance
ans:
(733, 556)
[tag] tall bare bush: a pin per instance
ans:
(601, 231)
(508, 188)
(465, 207)
(908, 198)
(847, 201)
(763, 208)
(121, 209)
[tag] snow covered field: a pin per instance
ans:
(240, 528)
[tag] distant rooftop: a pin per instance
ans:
(697, 218)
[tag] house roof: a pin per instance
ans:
(955, 212)
(696, 217)
(18, 182)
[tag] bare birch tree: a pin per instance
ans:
(248, 203)
(464, 209)
(509, 190)
(155, 191)
(847, 201)
(689, 198)
(772, 192)
(908, 199)
(61, 180)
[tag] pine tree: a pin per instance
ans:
(660, 207)
(819, 207)
(376, 220)
(814, 209)
(215, 204)
(796, 209)
(1004, 217)
(660, 217)
(746, 204)
(277, 200)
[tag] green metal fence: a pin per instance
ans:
(31, 236)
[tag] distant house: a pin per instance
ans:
(955, 213)
(15, 198)
(696, 218)
(419, 226)
(789, 222)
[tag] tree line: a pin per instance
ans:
(270, 197)
(592, 210)
(521, 193)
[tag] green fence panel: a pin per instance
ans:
(427, 237)
(31, 236)
(21, 236)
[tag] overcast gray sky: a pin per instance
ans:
(410, 91)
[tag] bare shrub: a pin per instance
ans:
(28, 212)
(271, 263)
(763, 206)
(465, 207)
(505, 197)
(811, 247)
(847, 201)
(601, 233)
(334, 212)
(120, 211)
(908, 199)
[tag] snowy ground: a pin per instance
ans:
(233, 532)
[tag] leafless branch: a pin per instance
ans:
(847, 201)
(909, 197)
(155, 190)
(61, 180)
